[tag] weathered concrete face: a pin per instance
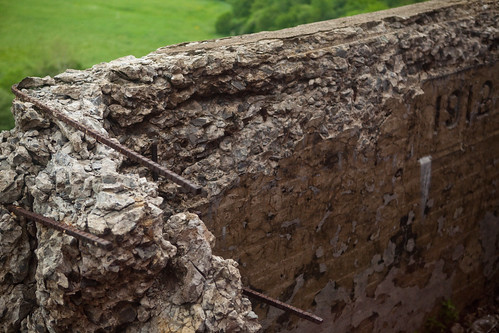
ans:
(374, 224)
(351, 168)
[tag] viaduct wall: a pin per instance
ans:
(351, 169)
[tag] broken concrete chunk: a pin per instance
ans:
(11, 185)
(113, 202)
(35, 82)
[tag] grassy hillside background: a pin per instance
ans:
(39, 38)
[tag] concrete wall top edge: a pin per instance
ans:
(404, 13)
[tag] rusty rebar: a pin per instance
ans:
(283, 306)
(153, 166)
(65, 228)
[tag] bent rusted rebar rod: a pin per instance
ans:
(65, 228)
(281, 305)
(153, 166)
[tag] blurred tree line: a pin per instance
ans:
(249, 16)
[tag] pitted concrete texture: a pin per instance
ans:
(351, 168)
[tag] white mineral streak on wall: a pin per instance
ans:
(425, 163)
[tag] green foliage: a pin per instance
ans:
(6, 119)
(444, 319)
(39, 38)
(249, 16)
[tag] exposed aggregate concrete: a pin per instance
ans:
(305, 142)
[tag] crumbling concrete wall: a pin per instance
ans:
(351, 168)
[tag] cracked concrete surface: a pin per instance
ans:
(309, 142)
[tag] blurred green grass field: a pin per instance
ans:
(45, 37)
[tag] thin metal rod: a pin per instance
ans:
(65, 228)
(155, 167)
(283, 306)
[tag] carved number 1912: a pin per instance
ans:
(452, 108)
